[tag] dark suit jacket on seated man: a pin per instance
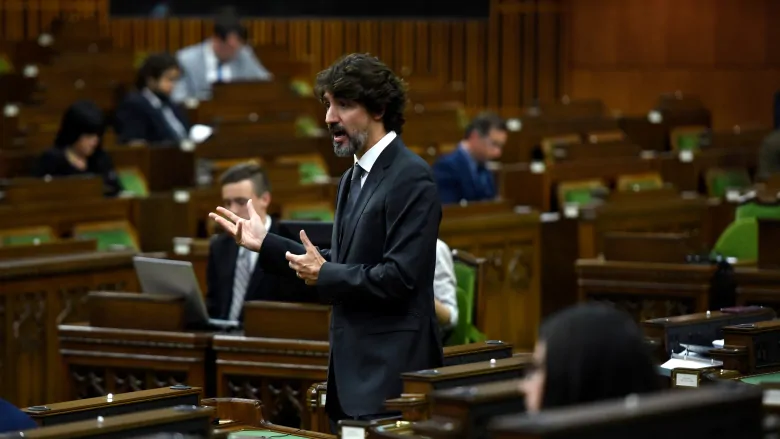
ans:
(148, 114)
(379, 271)
(462, 175)
(233, 274)
(12, 419)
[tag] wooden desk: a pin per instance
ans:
(646, 290)
(185, 420)
(37, 295)
(267, 365)
(738, 410)
(99, 361)
(112, 405)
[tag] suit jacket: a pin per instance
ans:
(456, 181)
(220, 274)
(379, 279)
(194, 82)
(137, 119)
(12, 419)
(769, 156)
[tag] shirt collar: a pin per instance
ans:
(154, 100)
(473, 165)
(369, 158)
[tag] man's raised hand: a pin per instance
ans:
(247, 233)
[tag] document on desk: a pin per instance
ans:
(675, 363)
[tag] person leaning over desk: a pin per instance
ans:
(378, 274)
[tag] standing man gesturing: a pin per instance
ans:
(378, 274)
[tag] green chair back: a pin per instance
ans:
(644, 184)
(688, 142)
(110, 238)
(580, 195)
(133, 183)
(754, 209)
(729, 179)
(26, 239)
(311, 172)
(466, 282)
(739, 240)
(312, 215)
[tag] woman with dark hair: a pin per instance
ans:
(586, 353)
(77, 148)
(148, 115)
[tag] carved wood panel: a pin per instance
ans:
(92, 381)
(32, 303)
(284, 399)
(512, 283)
(643, 308)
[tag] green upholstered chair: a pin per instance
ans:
(311, 215)
(310, 172)
(688, 142)
(26, 236)
(578, 195)
(467, 276)
(133, 182)
(640, 182)
(755, 209)
(109, 235)
(739, 240)
(720, 180)
(6, 66)
(578, 192)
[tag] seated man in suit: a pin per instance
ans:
(147, 115)
(222, 58)
(445, 298)
(233, 274)
(769, 156)
(12, 419)
(462, 175)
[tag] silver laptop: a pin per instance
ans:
(177, 278)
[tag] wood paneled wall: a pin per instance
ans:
(505, 61)
(627, 52)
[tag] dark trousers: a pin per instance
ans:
(336, 414)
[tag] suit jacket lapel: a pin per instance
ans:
(373, 181)
(338, 220)
(231, 256)
(465, 168)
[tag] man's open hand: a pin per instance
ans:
(307, 265)
(247, 233)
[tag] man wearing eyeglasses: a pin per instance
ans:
(233, 274)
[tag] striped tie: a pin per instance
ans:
(240, 282)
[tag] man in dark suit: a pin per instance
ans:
(148, 115)
(769, 156)
(378, 274)
(462, 175)
(233, 274)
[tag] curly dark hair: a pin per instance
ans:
(362, 78)
(154, 67)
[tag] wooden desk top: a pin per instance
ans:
(480, 393)
(71, 263)
(112, 400)
(517, 361)
(190, 339)
(104, 426)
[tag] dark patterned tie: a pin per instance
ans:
(354, 188)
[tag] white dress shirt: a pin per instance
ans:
(369, 158)
(212, 65)
(444, 283)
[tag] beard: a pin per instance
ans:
(351, 144)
